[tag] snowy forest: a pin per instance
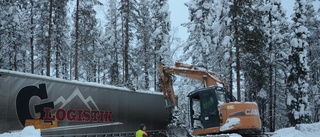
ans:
(264, 56)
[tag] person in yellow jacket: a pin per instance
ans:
(141, 132)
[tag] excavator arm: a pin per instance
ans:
(206, 77)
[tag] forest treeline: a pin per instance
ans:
(264, 56)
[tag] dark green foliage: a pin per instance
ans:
(297, 83)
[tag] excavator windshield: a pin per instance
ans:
(221, 96)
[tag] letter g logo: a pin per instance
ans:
(23, 99)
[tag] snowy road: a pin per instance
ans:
(302, 130)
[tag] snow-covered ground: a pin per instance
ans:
(26, 132)
(302, 130)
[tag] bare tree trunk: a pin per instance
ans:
(70, 68)
(57, 60)
(157, 59)
(126, 45)
(49, 41)
(236, 44)
(238, 67)
(123, 45)
(42, 63)
(237, 62)
(231, 74)
(76, 77)
(99, 68)
(15, 52)
(274, 104)
(270, 80)
(64, 70)
(95, 64)
(32, 38)
(155, 73)
(24, 59)
(116, 67)
(146, 73)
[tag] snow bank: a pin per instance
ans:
(28, 131)
(301, 130)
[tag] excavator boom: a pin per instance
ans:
(166, 73)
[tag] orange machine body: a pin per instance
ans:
(211, 110)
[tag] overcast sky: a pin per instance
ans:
(180, 14)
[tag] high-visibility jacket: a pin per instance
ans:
(141, 133)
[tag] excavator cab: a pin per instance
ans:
(204, 104)
(212, 113)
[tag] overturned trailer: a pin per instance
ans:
(61, 107)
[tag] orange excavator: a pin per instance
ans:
(211, 110)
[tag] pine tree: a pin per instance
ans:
(87, 41)
(298, 97)
(128, 12)
(76, 40)
(3, 10)
(6, 17)
(60, 39)
(32, 34)
(112, 47)
(199, 40)
(160, 18)
(223, 51)
(16, 25)
(143, 50)
(49, 46)
(41, 36)
(312, 23)
(12, 31)
(275, 22)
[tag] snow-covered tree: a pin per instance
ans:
(41, 34)
(128, 11)
(246, 51)
(222, 36)
(23, 35)
(298, 96)
(312, 23)
(111, 61)
(60, 40)
(143, 49)
(76, 39)
(88, 41)
(200, 40)
(275, 26)
(14, 33)
(160, 18)
(223, 51)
